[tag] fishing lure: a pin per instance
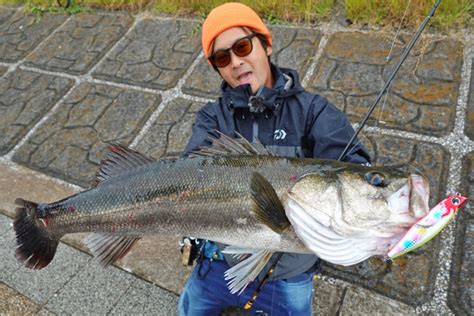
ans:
(429, 226)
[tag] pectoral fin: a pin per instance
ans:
(268, 208)
(240, 275)
(109, 248)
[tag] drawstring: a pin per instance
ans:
(202, 276)
(208, 250)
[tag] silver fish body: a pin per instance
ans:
(342, 212)
(206, 197)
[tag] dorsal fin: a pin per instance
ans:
(225, 145)
(119, 160)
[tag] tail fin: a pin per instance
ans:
(35, 245)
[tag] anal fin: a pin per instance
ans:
(109, 248)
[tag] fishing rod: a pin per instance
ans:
(392, 76)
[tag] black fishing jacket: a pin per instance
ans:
(290, 122)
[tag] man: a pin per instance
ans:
(264, 103)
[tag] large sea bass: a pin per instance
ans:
(344, 213)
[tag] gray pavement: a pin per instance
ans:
(69, 85)
(75, 284)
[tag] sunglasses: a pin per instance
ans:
(241, 48)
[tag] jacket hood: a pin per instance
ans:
(286, 84)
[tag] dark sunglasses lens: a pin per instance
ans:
(243, 47)
(221, 59)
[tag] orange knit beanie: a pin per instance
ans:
(230, 15)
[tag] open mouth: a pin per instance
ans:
(411, 199)
(244, 78)
(420, 195)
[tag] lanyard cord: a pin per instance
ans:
(252, 299)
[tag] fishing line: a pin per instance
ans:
(387, 60)
(390, 79)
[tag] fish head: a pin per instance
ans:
(355, 198)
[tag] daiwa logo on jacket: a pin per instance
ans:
(279, 134)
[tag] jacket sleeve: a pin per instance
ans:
(205, 126)
(331, 131)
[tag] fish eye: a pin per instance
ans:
(376, 179)
(455, 201)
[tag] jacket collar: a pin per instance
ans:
(286, 84)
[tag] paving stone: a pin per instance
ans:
(408, 278)
(467, 184)
(327, 298)
(422, 98)
(21, 182)
(369, 79)
(204, 81)
(169, 134)
(362, 48)
(7, 250)
(3, 70)
(25, 97)
(41, 285)
(461, 288)
(143, 298)
(70, 144)
(82, 41)
(155, 54)
(469, 128)
(45, 312)
(13, 303)
(147, 260)
(94, 290)
(359, 301)
(292, 48)
(158, 260)
(5, 225)
(20, 33)
(5, 13)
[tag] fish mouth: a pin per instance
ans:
(411, 199)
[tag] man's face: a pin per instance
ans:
(253, 69)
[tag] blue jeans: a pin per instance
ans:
(210, 295)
